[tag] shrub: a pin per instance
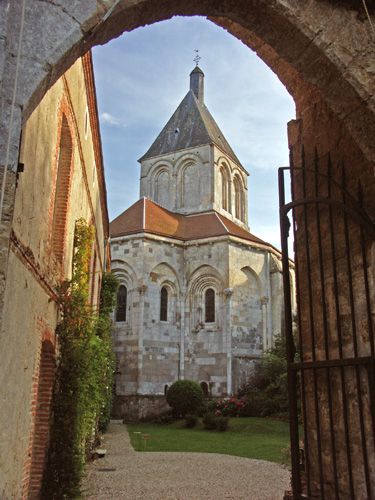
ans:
(211, 405)
(84, 376)
(191, 421)
(231, 407)
(164, 418)
(222, 423)
(267, 391)
(209, 421)
(185, 396)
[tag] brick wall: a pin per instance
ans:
(43, 380)
(62, 192)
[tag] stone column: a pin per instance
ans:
(141, 290)
(182, 336)
(228, 292)
(175, 192)
(264, 306)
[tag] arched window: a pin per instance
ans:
(164, 304)
(162, 189)
(63, 178)
(165, 389)
(238, 198)
(204, 387)
(122, 294)
(209, 302)
(224, 189)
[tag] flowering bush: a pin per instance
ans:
(229, 407)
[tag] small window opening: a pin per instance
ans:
(204, 387)
(165, 389)
(210, 306)
(164, 304)
(121, 303)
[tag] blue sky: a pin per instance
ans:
(142, 76)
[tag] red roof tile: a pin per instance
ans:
(147, 216)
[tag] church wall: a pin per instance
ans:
(206, 344)
(34, 272)
(147, 349)
(153, 354)
(188, 172)
(222, 162)
(253, 310)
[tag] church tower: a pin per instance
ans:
(200, 297)
(190, 168)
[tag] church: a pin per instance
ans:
(200, 296)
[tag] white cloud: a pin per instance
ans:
(110, 119)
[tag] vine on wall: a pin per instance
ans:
(84, 378)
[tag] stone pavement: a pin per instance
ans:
(127, 474)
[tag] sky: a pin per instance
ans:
(142, 76)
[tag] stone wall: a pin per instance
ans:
(137, 408)
(152, 354)
(35, 268)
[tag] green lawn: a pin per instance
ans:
(251, 437)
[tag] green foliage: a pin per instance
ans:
(209, 422)
(260, 438)
(267, 391)
(212, 421)
(222, 423)
(191, 421)
(185, 396)
(84, 377)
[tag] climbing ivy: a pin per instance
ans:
(84, 377)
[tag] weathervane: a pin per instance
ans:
(197, 57)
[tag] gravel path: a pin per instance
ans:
(127, 474)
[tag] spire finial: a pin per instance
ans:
(197, 57)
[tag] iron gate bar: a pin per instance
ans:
(290, 348)
(339, 327)
(354, 332)
(371, 371)
(325, 323)
(331, 182)
(337, 204)
(332, 363)
(312, 326)
(352, 212)
(306, 445)
(365, 277)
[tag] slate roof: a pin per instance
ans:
(191, 125)
(145, 216)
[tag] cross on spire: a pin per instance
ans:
(197, 57)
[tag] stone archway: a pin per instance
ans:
(320, 49)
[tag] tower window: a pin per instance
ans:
(121, 303)
(238, 198)
(209, 300)
(224, 189)
(164, 304)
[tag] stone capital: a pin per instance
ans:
(264, 301)
(228, 292)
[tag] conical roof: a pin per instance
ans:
(191, 125)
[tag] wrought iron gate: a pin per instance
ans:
(331, 363)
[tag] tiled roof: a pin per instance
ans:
(190, 125)
(146, 216)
